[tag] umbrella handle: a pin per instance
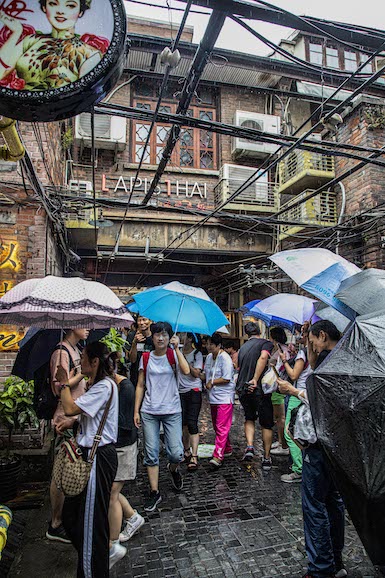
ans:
(179, 313)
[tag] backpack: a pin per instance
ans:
(44, 400)
(170, 359)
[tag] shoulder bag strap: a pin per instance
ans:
(98, 435)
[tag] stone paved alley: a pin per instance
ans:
(235, 522)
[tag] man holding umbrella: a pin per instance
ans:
(66, 354)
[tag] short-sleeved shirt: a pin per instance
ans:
(161, 396)
(188, 382)
(60, 357)
(301, 381)
(93, 403)
(221, 367)
(127, 432)
(248, 356)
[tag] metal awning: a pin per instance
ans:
(220, 71)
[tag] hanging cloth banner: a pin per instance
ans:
(58, 58)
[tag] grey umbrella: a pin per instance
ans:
(347, 401)
(364, 292)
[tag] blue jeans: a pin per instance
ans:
(172, 425)
(323, 514)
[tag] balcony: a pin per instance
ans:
(320, 211)
(303, 169)
(259, 197)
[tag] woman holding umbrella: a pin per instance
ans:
(85, 517)
(157, 402)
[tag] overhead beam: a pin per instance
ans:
(368, 37)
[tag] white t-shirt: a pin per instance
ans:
(93, 403)
(188, 382)
(223, 367)
(301, 381)
(161, 396)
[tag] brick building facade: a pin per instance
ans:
(28, 247)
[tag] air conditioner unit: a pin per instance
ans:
(242, 147)
(110, 131)
(258, 196)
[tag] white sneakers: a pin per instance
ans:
(278, 450)
(131, 526)
(292, 478)
(117, 552)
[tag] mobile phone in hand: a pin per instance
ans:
(280, 347)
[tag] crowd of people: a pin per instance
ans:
(157, 388)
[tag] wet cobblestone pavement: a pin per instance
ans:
(231, 522)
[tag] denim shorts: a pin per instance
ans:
(172, 426)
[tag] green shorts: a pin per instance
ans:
(277, 398)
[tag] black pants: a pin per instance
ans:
(191, 402)
(85, 517)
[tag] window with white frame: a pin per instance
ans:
(350, 61)
(315, 53)
(368, 69)
(332, 57)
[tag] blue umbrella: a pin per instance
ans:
(285, 309)
(186, 308)
(320, 272)
(132, 307)
(247, 306)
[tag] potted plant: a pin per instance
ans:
(115, 343)
(16, 413)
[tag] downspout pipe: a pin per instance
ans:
(13, 150)
(341, 215)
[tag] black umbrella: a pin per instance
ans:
(37, 347)
(347, 399)
(35, 350)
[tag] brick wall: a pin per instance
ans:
(157, 29)
(365, 189)
(25, 222)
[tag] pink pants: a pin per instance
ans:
(222, 415)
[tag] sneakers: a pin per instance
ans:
(278, 450)
(177, 480)
(291, 478)
(57, 534)
(216, 462)
(249, 453)
(117, 552)
(275, 445)
(153, 500)
(131, 526)
(340, 570)
(267, 464)
(228, 454)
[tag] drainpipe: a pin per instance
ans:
(13, 149)
(341, 215)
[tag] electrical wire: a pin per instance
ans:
(166, 75)
(275, 162)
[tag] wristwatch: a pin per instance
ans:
(63, 386)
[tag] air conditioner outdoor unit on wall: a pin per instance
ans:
(268, 123)
(110, 131)
(255, 196)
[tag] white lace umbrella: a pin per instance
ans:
(58, 302)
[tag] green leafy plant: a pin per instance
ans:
(67, 138)
(115, 342)
(16, 407)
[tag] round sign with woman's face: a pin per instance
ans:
(58, 57)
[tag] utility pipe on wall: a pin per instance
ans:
(13, 150)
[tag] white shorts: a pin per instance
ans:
(127, 463)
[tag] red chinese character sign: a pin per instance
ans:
(58, 57)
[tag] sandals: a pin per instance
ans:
(193, 465)
(187, 455)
